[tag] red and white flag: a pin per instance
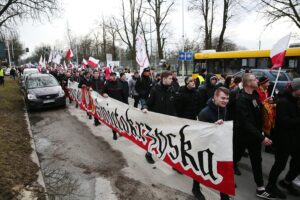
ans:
(69, 54)
(84, 62)
(93, 62)
(278, 51)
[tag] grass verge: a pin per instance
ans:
(17, 170)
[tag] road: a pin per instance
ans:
(81, 161)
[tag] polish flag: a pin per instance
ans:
(93, 62)
(84, 62)
(278, 51)
(69, 54)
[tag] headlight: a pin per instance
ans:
(31, 96)
(61, 93)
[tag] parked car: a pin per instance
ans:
(285, 77)
(43, 90)
(25, 74)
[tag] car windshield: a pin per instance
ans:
(30, 71)
(39, 82)
(292, 75)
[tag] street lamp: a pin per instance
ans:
(182, 36)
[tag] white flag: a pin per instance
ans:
(141, 55)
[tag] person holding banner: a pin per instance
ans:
(286, 141)
(97, 86)
(132, 91)
(87, 81)
(114, 89)
(248, 131)
(215, 112)
(161, 100)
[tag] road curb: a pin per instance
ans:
(35, 158)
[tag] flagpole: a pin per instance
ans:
(275, 84)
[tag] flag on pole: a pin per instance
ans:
(278, 51)
(39, 67)
(65, 66)
(57, 58)
(93, 62)
(69, 54)
(141, 55)
(84, 62)
(50, 56)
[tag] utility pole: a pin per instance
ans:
(182, 73)
(9, 61)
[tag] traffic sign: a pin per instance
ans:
(185, 56)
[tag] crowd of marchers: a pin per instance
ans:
(258, 118)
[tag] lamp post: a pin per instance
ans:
(182, 2)
(149, 1)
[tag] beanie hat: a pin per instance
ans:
(295, 84)
(147, 69)
(263, 80)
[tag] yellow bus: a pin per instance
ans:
(233, 61)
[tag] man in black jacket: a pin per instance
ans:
(143, 86)
(214, 112)
(125, 87)
(175, 83)
(97, 86)
(207, 90)
(161, 100)
(188, 100)
(248, 131)
(287, 141)
(114, 89)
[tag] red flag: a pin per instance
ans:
(278, 51)
(93, 62)
(84, 62)
(69, 54)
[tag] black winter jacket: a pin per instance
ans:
(175, 84)
(86, 82)
(98, 85)
(143, 86)
(188, 103)
(206, 91)
(162, 100)
(125, 87)
(212, 113)
(248, 123)
(114, 89)
(287, 122)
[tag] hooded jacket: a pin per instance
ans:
(206, 91)
(114, 89)
(287, 122)
(188, 103)
(212, 113)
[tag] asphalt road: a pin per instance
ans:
(81, 161)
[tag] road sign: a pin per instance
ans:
(185, 56)
(181, 56)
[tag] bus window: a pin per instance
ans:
(262, 63)
(251, 62)
(244, 62)
(292, 63)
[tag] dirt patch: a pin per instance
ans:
(17, 171)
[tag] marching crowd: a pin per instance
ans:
(245, 100)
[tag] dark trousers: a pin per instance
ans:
(281, 158)
(196, 186)
(254, 150)
(136, 101)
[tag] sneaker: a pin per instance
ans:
(264, 194)
(149, 158)
(224, 196)
(198, 194)
(296, 181)
(115, 137)
(237, 170)
(290, 188)
(96, 122)
(90, 116)
(276, 191)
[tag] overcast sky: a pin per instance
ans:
(82, 17)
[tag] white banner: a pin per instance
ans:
(141, 55)
(200, 150)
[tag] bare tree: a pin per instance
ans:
(13, 10)
(206, 10)
(128, 26)
(112, 36)
(161, 9)
(275, 10)
(145, 32)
